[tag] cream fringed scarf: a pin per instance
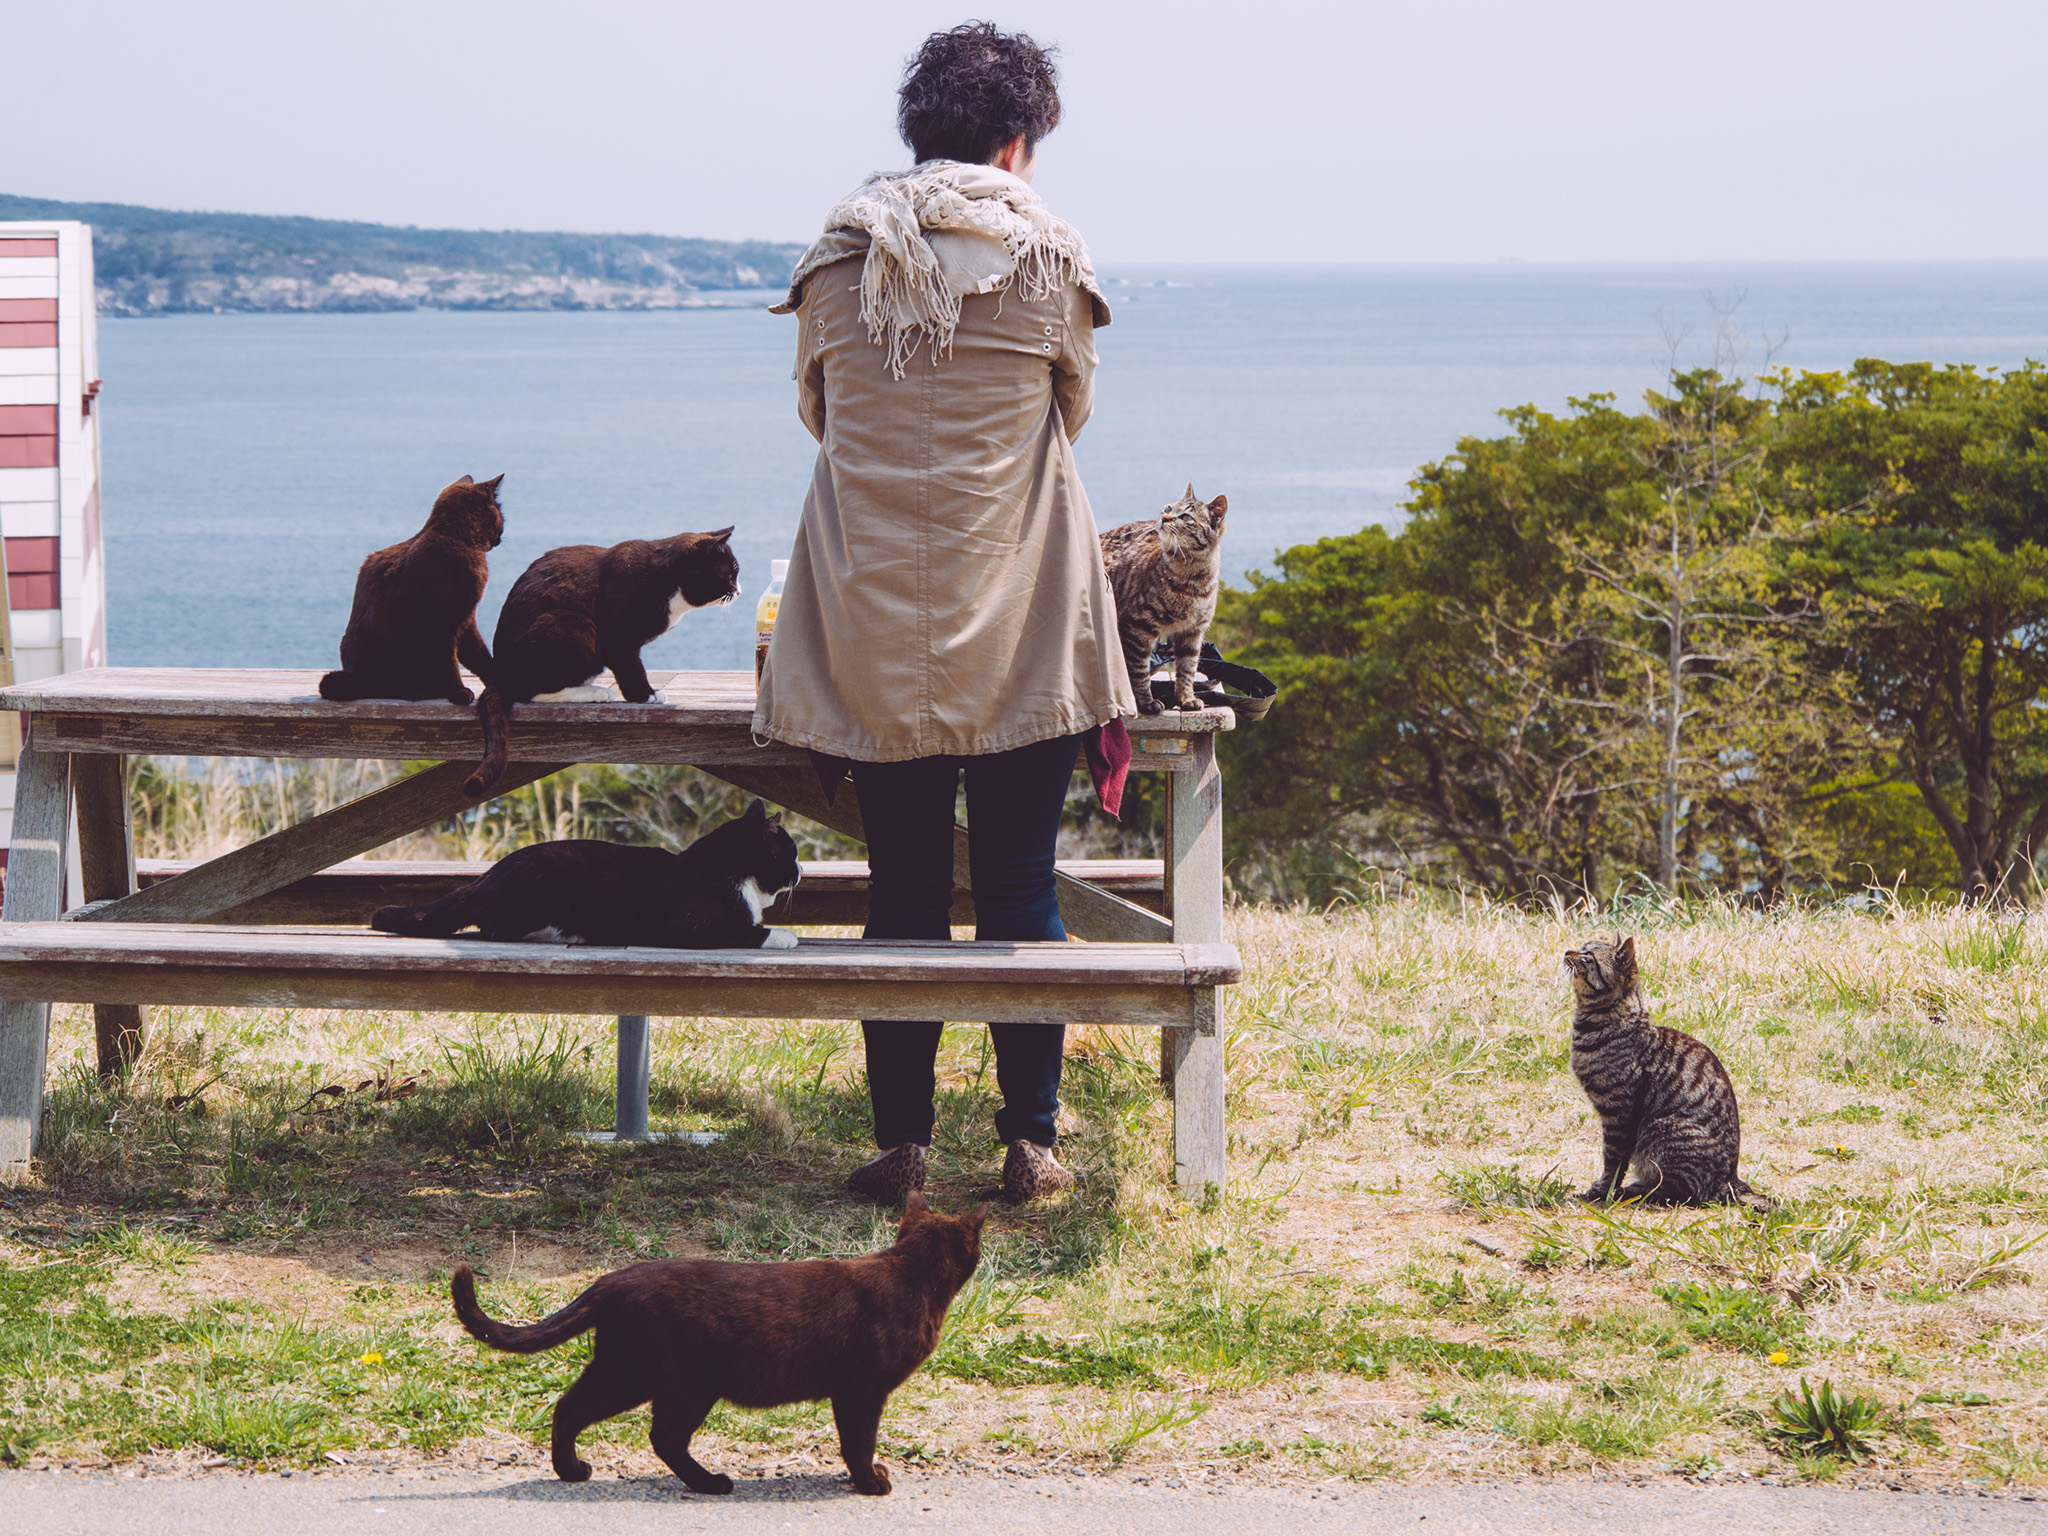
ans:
(940, 231)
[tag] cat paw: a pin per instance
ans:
(1147, 705)
(712, 1483)
(779, 938)
(877, 1480)
(656, 697)
(582, 693)
(575, 1472)
(462, 696)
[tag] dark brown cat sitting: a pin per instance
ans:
(414, 616)
(578, 610)
(687, 1332)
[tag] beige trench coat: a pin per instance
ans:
(946, 593)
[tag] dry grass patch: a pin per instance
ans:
(1393, 1284)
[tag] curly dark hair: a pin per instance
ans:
(971, 90)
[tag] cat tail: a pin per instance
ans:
(497, 719)
(580, 1316)
(438, 920)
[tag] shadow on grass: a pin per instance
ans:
(476, 1139)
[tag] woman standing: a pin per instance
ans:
(946, 608)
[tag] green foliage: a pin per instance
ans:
(509, 1086)
(1737, 1316)
(1492, 1184)
(1824, 1423)
(1746, 642)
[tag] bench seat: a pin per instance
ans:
(236, 966)
(832, 893)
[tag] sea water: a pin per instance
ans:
(249, 462)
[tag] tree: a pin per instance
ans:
(1939, 590)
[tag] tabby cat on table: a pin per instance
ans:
(1163, 573)
(412, 626)
(1666, 1104)
(581, 890)
(578, 610)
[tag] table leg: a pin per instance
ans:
(35, 893)
(629, 1114)
(1191, 1061)
(106, 858)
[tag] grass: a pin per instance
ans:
(244, 1253)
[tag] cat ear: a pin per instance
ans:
(1627, 953)
(722, 534)
(979, 1214)
(1189, 493)
(465, 480)
(490, 485)
(1218, 507)
(755, 812)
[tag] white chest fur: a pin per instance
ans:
(757, 903)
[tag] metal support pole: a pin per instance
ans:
(629, 1121)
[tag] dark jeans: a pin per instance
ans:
(1014, 801)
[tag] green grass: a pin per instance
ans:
(1398, 1083)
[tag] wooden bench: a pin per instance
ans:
(1165, 985)
(248, 928)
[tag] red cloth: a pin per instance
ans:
(1109, 760)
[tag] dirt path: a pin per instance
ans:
(488, 1504)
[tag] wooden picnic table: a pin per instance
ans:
(183, 937)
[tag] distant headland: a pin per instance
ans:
(153, 261)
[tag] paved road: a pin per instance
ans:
(511, 1502)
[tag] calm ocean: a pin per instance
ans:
(251, 461)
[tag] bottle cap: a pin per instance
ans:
(777, 569)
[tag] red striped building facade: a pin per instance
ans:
(49, 458)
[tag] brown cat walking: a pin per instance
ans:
(1163, 573)
(687, 1332)
(1667, 1108)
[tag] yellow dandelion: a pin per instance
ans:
(373, 1358)
(1779, 1357)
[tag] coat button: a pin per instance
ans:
(1048, 346)
(1048, 330)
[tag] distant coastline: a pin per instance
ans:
(154, 261)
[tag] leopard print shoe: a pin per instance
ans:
(1031, 1171)
(888, 1179)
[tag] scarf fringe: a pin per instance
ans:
(905, 298)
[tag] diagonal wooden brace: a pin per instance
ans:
(429, 796)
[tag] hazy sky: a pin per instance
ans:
(1430, 130)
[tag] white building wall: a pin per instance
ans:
(63, 501)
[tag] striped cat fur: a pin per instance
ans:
(1163, 573)
(1667, 1108)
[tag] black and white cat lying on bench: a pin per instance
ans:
(583, 891)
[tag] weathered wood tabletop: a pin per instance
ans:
(73, 776)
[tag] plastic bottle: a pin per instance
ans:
(765, 611)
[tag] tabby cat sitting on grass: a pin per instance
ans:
(687, 1332)
(1163, 573)
(1666, 1105)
